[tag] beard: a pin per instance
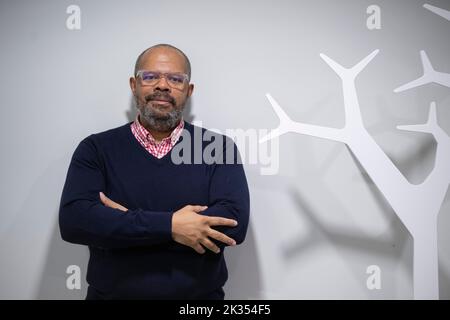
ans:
(154, 118)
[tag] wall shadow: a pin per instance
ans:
(395, 244)
(60, 255)
(244, 281)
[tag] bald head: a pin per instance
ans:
(148, 51)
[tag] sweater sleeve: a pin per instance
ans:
(229, 195)
(83, 219)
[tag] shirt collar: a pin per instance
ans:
(146, 136)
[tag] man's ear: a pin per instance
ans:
(190, 89)
(133, 85)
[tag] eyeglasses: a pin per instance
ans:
(174, 80)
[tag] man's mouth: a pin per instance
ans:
(161, 101)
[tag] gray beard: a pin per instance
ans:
(158, 123)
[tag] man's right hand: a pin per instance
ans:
(194, 230)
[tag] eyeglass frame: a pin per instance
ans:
(163, 74)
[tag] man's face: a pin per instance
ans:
(161, 104)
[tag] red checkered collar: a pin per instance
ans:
(144, 136)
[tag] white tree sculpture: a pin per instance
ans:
(417, 206)
(440, 12)
(429, 76)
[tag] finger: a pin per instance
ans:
(210, 245)
(198, 208)
(109, 203)
(198, 247)
(219, 221)
(221, 237)
(104, 199)
(120, 207)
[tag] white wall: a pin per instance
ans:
(318, 223)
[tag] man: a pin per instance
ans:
(156, 229)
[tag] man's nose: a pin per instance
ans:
(162, 85)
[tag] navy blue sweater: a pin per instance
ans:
(132, 254)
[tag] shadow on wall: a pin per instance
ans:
(394, 245)
(390, 245)
(244, 275)
(391, 249)
(444, 283)
(38, 262)
(60, 255)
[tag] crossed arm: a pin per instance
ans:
(189, 228)
(85, 220)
